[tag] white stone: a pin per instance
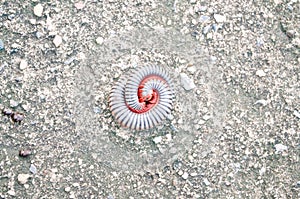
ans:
(168, 137)
(262, 171)
(260, 73)
(23, 64)
(11, 192)
(219, 18)
(186, 82)
(57, 40)
(191, 69)
(262, 102)
(23, 178)
(67, 189)
(206, 182)
(297, 114)
(280, 148)
(99, 40)
(157, 140)
(185, 175)
(38, 10)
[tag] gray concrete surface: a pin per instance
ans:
(235, 135)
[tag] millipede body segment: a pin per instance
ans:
(143, 98)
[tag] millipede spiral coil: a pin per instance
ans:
(142, 99)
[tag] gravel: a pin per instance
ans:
(234, 129)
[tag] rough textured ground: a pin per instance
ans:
(235, 135)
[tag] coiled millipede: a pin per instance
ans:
(142, 99)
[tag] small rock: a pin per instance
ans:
(262, 171)
(206, 182)
(23, 64)
(157, 140)
(17, 117)
(38, 10)
(219, 18)
(206, 117)
(191, 69)
(1, 44)
(38, 34)
(204, 18)
(67, 189)
(13, 103)
(193, 1)
(99, 40)
(23, 178)
(57, 40)
(11, 192)
(24, 153)
(185, 175)
(280, 148)
(7, 111)
(33, 169)
(32, 21)
(186, 82)
(262, 102)
(297, 114)
(168, 137)
(79, 5)
(260, 73)
(180, 172)
(206, 29)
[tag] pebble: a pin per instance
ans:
(206, 182)
(185, 175)
(219, 18)
(204, 18)
(23, 178)
(262, 102)
(260, 73)
(23, 64)
(191, 69)
(13, 103)
(297, 114)
(206, 29)
(1, 44)
(180, 172)
(67, 189)
(157, 140)
(33, 169)
(99, 40)
(38, 10)
(280, 148)
(79, 5)
(11, 192)
(186, 82)
(57, 40)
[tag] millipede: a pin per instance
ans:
(143, 98)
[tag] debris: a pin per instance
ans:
(24, 152)
(1, 44)
(260, 73)
(57, 40)
(187, 82)
(23, 178)
(220, 18)
(33, 169)
(280, 148)
(23, 64)
(99, 40)
(79, 5)
(38, 10)
(297, 114)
